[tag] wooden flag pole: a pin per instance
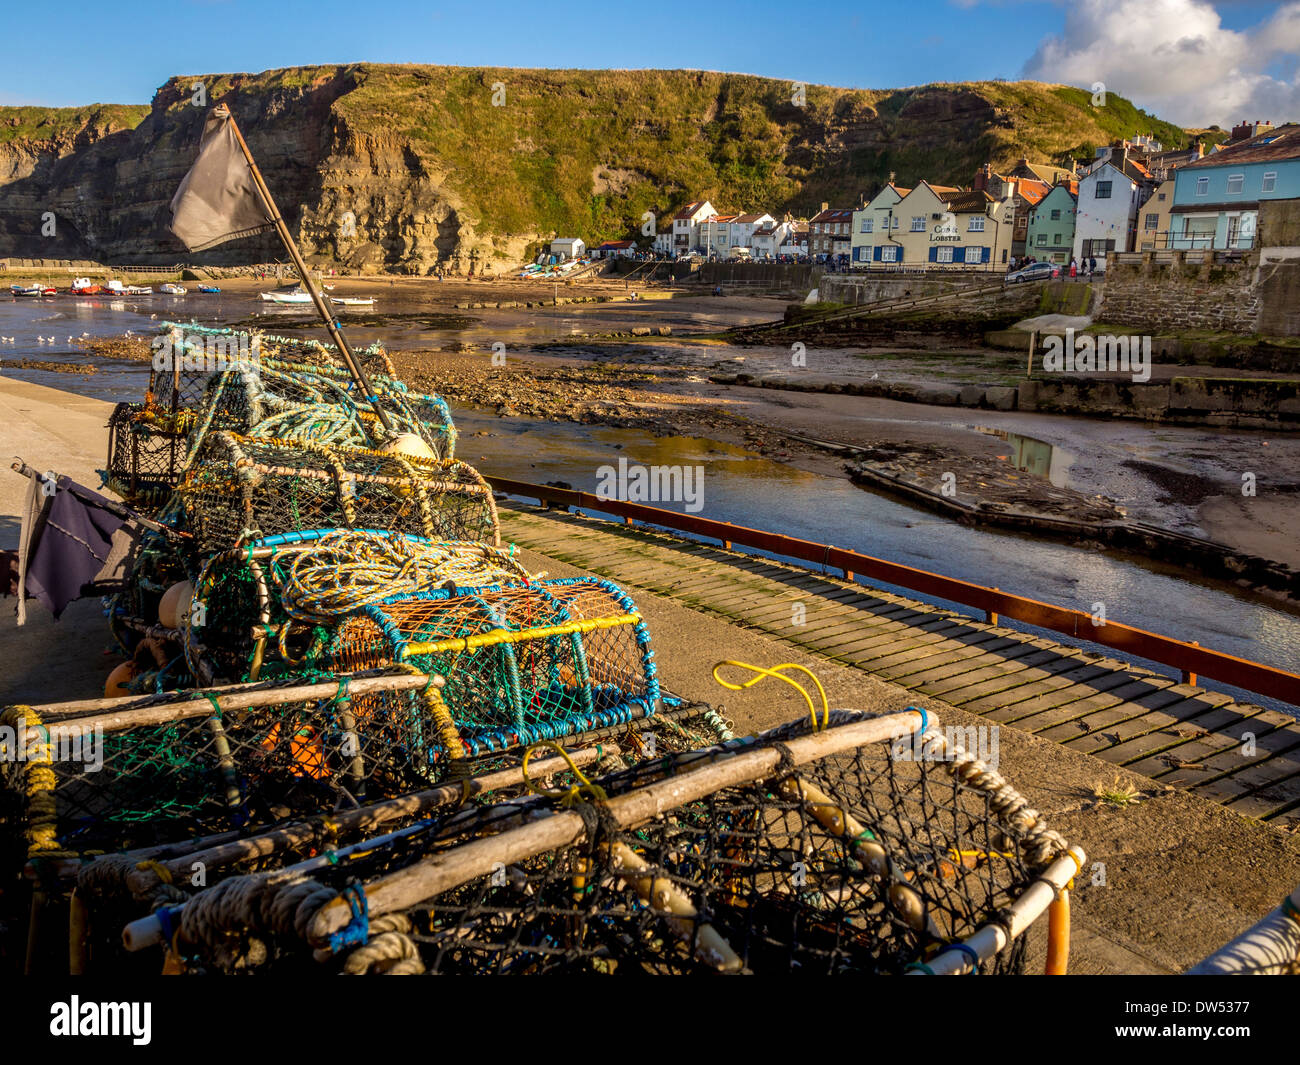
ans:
(354, 367)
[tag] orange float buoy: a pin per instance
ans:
(115, 687)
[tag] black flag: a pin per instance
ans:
(218, 199)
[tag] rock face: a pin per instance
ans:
(416, 169)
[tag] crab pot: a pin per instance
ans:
(180, 383)
(522, 663)
(276, 400)
(240, 488)
(114, 774)
(146, 451)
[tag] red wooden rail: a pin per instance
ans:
(1190, 658)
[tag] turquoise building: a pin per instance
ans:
(1216, 200)
(1050, 236)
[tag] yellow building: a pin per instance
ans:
(947, 228)
(1154, 218)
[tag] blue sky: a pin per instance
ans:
(121, 52)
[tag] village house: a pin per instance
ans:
(1216, 200)
(615, 249)
(1050, 234)
(768, 238)
(1024, 192)
(742, 229)
(826, 227)
(943, 228)
(685, 232)
(715, 235)
(1111, 193)
(872, 225)
(1156, 218)
(796, 240)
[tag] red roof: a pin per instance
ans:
(689, 209)
(747, 218)
(1032, 191)
(833, 215)
(615, 245)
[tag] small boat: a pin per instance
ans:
(26, 290)
(295, 296)
(49, 290)
(83, 286)
(353, 301)
(137, 290)
(173, 290)
(209, 288)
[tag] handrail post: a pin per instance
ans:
(1188, 676)
(990, 615)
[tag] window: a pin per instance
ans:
(1056, 214)
(1236, 182)
(945, 254)
(1202, 186)
(1160, 195)
(976, 225)
(1103, 191)
(918, 223)
(1152, 221)
(1056, 239)
(866, 225)
(889, 253)
(1042, 240)
(1269, 183)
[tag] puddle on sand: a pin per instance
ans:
(1031, 455)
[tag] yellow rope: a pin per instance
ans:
(762, 674)
(39, 782)
(498, 636)
(567, 796)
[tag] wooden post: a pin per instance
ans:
(990, 616)
(1033, 343)
(354, 367)
(1188, 676)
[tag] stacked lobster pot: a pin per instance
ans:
(303, 534)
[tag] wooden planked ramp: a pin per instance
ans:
(1240, 755)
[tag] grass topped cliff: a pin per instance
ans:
(37, 127)
(587, 152)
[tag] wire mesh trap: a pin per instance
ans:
(270, 607)
(795, 852)
(146, 453)
(269, 787)
(522, 663)
(239, 488)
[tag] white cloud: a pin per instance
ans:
(1176, 59)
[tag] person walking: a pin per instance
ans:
(1074, 268)
(1092, 264)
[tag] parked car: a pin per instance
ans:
(1034, 272)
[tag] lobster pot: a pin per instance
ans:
(791, 853)
(296, 402)
(522, 663)
(270, 605)
(163, 768)
(197, 352)
(239, 488)
(146, 451)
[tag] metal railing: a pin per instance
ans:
(1190, 659)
